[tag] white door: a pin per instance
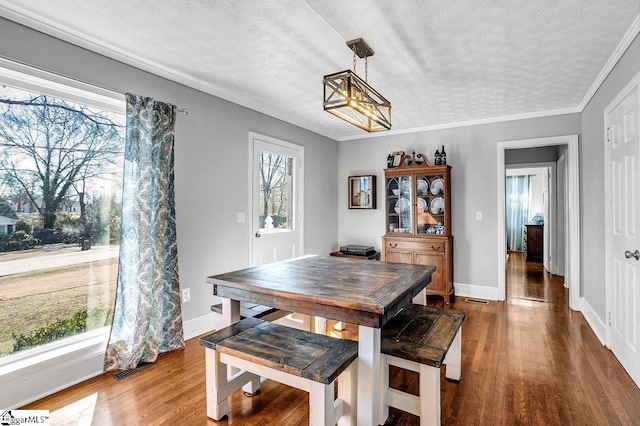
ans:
(623, 223)
(276, 199)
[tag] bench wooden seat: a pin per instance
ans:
(298, 358)
(253, 310)
(421, 339)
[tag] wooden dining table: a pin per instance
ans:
(365, 293)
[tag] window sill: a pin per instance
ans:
(37, 372)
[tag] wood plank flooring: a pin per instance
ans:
(527, 361)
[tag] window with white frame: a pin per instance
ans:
(61, 156)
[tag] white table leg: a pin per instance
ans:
(231, 315)
(368, 375)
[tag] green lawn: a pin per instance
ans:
(32, 300)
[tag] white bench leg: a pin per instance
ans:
(321, 404)
(384, 386)
(348, 392)
(216, 377)
(429, 395)
(453, 359)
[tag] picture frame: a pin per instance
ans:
(362, 192)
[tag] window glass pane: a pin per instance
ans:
(60, 195)
(274, 205)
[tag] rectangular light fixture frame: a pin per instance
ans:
(352, 99)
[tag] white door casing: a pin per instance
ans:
(267, 241)
(622, 232)
(572, 261)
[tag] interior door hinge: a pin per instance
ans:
(609, 318)
(608, 140)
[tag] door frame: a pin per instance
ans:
(572, 262)
(608, 268)
(298, 185)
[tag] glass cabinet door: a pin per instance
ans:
(399, 205)
(430, 192)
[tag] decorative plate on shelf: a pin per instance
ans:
(437, 205)
(402, 206)
(422, 204)
(405, 185)
(437, 186)
(423, 186)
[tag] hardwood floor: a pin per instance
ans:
(529, 360)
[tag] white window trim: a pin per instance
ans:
(41, 371)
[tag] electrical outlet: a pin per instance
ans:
(478, 215)
(241, 217)
(186, 295)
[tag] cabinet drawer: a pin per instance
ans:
(415, 246)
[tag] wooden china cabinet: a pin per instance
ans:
(418, 220)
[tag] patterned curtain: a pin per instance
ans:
(517, 188)
(147, 318)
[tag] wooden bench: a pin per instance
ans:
(297, 358)
(420, 339)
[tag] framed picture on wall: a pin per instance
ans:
(362, 192)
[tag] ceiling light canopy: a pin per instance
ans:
(349, 97)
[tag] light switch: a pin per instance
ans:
(478, 215)
(241, 217)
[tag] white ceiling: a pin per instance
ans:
(439, 62)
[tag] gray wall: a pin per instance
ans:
(592, 177)
(472, 153)
(532, 155)
(211, 154)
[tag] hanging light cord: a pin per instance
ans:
(366, 65)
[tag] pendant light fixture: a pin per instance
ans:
(349, 97)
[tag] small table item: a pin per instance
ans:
(371, 256)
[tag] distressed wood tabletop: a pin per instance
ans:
(343, 289)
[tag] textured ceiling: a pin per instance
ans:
(438, 62)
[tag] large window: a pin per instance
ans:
(61, 155)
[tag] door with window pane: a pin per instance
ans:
(276, 201)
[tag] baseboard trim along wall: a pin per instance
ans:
(594, 321)
(476, 291)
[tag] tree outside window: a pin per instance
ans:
(60, 181)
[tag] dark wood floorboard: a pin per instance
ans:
(527, 361)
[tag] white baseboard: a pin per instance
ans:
(200, 325)
(597, 325)
(23, 382)
(476, 291)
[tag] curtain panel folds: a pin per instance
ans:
(147, 317)
(517, 188)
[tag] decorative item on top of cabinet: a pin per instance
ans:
(418, 220)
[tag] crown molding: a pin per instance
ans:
(46, 26)
(491, 120)
(21, 16)
(613, 60)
